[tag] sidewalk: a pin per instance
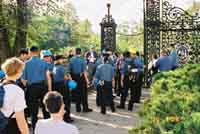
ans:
(112, 123)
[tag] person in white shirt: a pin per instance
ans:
(14, 100)
(55, 125)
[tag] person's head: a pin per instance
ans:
(163, 52)
(173, 47)
(133, 52)
(46, 55)
(13, 68)
(34, 51)
(105, 58)
(117, 54)
(155, 56)
(23, 54)
(54, 104)
(78, 51)
(137, 53)
(127, 54)
(109, 51)
(59, 59)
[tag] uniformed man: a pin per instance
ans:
(47, 56)
(124, 80)
(105, 73)
(164, 63)
(60, 75)
(78, 72)
(98, 62)
(132, 78)
(139, 66)
(136, 80)
(36, 77)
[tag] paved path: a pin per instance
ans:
(112, 123)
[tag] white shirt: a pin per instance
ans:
(50, 126)
(14, 100)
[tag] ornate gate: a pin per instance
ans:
(166, 25)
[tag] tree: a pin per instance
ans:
(130, 35)
(4, 38)
(22, 25)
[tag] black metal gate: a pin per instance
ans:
(166, 25)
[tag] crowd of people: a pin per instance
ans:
(37, 79)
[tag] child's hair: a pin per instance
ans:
(12, 66)
(53, 102)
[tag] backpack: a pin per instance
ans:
(3, 119)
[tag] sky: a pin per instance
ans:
(122, 10)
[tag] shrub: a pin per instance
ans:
(174, 106)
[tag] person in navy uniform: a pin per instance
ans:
(105, 73)
(139, 67)
(60, 75)
(164, 63)
(77, 68)
(98, 62)
(47, 56)
(124, 80)
(36, 76)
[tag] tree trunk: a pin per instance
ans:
(4, 39)
(22, 25)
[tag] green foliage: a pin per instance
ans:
(84, 37)
(174, 105)
(48, 32)
(130, 36)
(51, 25)
(62, 32)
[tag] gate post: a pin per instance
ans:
(151, 34)
(108, 31)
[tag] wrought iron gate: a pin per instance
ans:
(166, 25)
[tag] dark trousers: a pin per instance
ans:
(12, 127)
(136, 88)
(80, 93)
(35, 95)
(118, 82)
(124, 90)
(106, 96)
(91, 70)
(64, 91)
(98, 95)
